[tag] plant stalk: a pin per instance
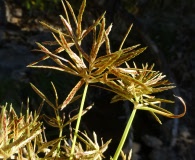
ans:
(79, 120)
(59, 143)
(60, 131)
(125, 134)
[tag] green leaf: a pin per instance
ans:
(42, 96)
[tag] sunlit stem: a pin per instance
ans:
(61, 131)
(78, 120)
(59, 144)
(125, 134)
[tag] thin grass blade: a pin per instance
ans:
(76, 116)
(51, 121)
(42, 96)
(46, 145)
(124, 39)
(72, 13)
(80, 17)
(94, 52)
(92, 26)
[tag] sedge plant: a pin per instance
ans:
(137, 85)
(20, 135)
(140, 92)
(64, 151)
(23, 136)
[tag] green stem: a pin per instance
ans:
(79, 120)
(60, 131)
(125, 134)
(59, 143)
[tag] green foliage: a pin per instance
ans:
(137, 85)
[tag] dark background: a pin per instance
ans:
(167, 27)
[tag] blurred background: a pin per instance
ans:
(167, 27)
